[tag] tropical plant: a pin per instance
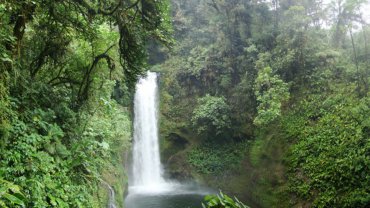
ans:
(222, 201)
(10, 195)
(211, 117)
(270, 91)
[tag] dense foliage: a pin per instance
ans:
(66, 71)
(211, 117)
(10, 194)
(270, 92)
(331, 157)
(270, 96)
(213, 158)
(294, 76)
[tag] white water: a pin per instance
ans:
(147, 173)
(147, 168)
(112, 197)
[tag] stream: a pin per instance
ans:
(164, 201)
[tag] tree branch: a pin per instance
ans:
(86, 82)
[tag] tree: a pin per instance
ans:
(59, 64)
(343, 13)
(211, 116)
(270, 91)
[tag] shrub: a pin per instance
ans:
(222, 201)
(211, 117)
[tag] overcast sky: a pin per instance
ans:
(365, 10)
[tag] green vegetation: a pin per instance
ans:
(270, 92)
(329, 162)
(266, 100)
(67, 70)
(222, 200)
(273, 76)
(211, 117)
(213, 158)
(10, 194)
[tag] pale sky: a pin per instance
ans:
(365, 10)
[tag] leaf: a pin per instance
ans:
(13, 199)
(209, 197)
(104, 145)
(52, 200)
(3, 205)
(61, 203)
(7, 60)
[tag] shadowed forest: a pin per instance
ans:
(266, 100)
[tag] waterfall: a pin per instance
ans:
(112, 197)
(147, 170)
(147, 187)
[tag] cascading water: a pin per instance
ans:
(147, 187)
(112, 197)
(147, 170)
